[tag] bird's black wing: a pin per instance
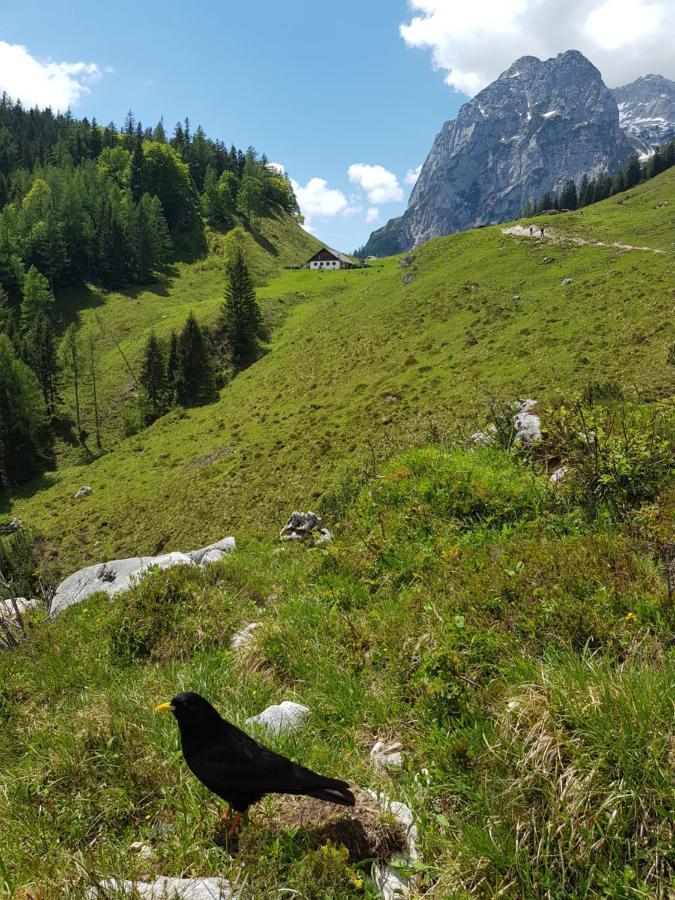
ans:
(235, 763)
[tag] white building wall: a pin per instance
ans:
(325, 264)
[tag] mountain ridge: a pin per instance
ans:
(538, 125)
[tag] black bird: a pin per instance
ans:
(236, 767)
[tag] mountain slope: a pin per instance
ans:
(538, 125)
(364, 361)
(647, 110)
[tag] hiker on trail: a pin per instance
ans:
(531, 230)
(542, 230)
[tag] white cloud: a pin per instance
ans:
(318, 201)
(476, 42)
(277, 167)
(44, 83)
(380, 185)
(372, 215)
(412, 175)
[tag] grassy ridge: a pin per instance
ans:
(364, 362)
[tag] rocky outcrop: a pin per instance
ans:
(120, 574)
(538, 125)
(307, 527)
(647, 111)
(163, 888)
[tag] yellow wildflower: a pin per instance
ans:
(630, 617)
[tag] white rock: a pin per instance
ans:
(143, 850)
(527, 425)
(281, 718)
(8, 612)
(325, 536)
(559, 475)
(227, 545)
(110, 578)
(387, 756)
(391, 884)
(163, 888)
(566, 281)
(120, 574)
(84, 491)
(244, 637)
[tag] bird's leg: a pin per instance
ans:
(226, 814)
(234, 826)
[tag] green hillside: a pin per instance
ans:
(514, 635)
(362, 364)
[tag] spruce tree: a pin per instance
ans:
(41, 355)
(196, 382)
(37, 298)
(136, 175)
(154, 380)
(240, 320)
(632, 177)
(172, 368)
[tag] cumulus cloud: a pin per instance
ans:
(44, 83)
(276, 167)
(318, 201)
(380, 185)
(372, 215)
(476, 42)
(412, 175)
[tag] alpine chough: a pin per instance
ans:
(236, 767)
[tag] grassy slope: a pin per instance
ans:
(313, 409)
(468, 610)
(193, 283)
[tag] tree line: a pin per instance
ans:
(85, 203)
(604, 185)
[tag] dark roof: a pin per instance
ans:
(342, 257)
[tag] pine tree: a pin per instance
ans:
(41, 356)
(240, 319)
(136, 175)
(70, 351)
(633, 171)
(618, 183)
(154, 380)
(195, 383)
(568, 196)
(37, 298)
(172, 368)
(159, 134)
(6, 312)
(24, 439)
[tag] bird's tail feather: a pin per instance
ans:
(340, 794)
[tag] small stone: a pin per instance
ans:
(244, 636)
(558, 475)
(387, 756)
(300, 527)
(407, 278)
(281, 718)
(143, 850)
(566, 281)
(547, 260)
(164, 888)
(516, 297)
(84, 491)
(391, 884)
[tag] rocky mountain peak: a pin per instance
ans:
(647, 110)
(539, 124)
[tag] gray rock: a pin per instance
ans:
(84, 491)
(407, 261)
(528, 428)
(408, 278)
(213, 552)
(547, 260)
(385, 757)
(120, 574)
(305, 526)
(647, 111)
(566, 281)
(164, 888)
(145, 851)
(110, 578)
(516, 297)
(8, 609)
(281, 718)
(559, 475)
(538, 125)
(391, 884)
(10, 527)
(484, 438)
(243, 637)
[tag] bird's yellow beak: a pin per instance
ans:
(165, 707)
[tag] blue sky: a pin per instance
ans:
(347, 96)
(318, 87)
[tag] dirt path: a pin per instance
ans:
(552, 237)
